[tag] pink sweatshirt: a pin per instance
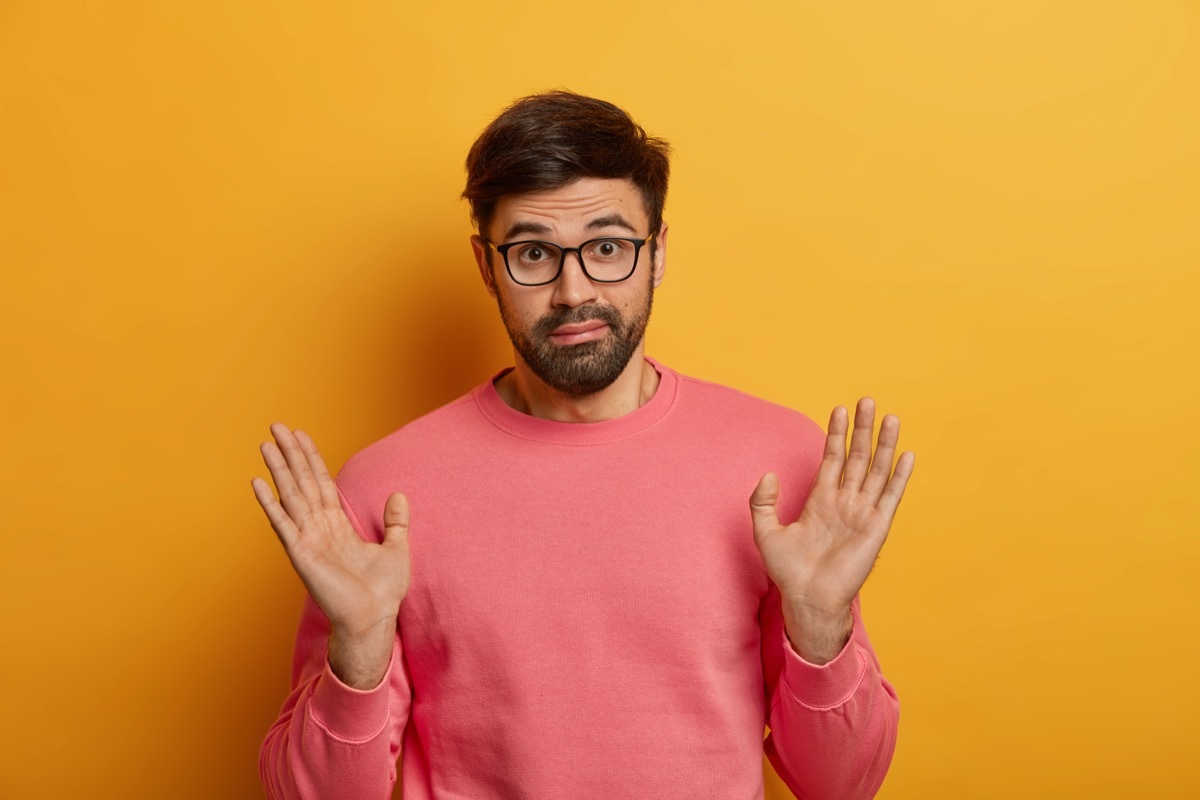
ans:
(588, 617)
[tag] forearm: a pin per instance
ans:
(332, 740)
(361, 661)
(817, 636)
(833, 725)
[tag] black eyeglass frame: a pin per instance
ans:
(503, 249)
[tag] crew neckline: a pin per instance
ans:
(526, 426)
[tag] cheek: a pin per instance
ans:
(523, 309)
(634, 301)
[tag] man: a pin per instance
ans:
(554, 586)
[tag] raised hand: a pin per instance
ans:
(359, 585)
(821, 561)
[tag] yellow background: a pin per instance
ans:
(216, 215)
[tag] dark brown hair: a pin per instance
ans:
(545, 141)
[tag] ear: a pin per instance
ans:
(481, 251)
(660, 255)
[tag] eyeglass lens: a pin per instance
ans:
(603, 260)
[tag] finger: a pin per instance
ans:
(830, 472)
(395, 520)
(762, 504)
(895, 488)
(881, 464)
(860, 444)
(285, 529)
(325, 485)
(297, 460)
(293, 500)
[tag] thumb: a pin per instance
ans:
(395, 520)
(762, 504)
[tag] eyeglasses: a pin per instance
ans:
(607, 260)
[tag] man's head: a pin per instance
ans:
(546, 141)
(575, 333)
(568, 170)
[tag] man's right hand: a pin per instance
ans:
(359, 585)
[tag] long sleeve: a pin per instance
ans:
(331, 741)
(637, 528)
(833, 727)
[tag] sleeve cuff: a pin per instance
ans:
(828, 685)
(346, 713)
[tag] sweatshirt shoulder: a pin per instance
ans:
(736, 407)
(427, 434)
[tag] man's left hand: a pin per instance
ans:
(821, 561)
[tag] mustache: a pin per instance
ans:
(571, 316)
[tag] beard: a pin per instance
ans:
(585, 368)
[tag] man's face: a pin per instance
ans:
(577, 336)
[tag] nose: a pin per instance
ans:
(573, 287)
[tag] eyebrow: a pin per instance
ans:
(518, 228)
(611, 221)
(607, 221)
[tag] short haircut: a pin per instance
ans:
(548, 140)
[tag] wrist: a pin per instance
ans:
(817, 635)
(361, 659)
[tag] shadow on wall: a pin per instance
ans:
(434, 334)
(423, 332)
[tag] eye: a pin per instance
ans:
(608, 248)
(534, 253)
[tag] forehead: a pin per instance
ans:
(569, 208)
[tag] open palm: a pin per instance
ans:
(820, 561)
(358, 584)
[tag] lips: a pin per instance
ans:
(579, 327)
(579, 332)
(586, 323)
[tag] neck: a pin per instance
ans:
(633, 388)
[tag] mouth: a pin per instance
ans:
(580, 332)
